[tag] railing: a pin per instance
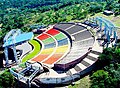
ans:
(34, 73)
(18, 76)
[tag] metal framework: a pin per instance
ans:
(10, 36)
(109, 28)
(35, 67)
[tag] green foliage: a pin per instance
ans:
(103, 79)
(20, 14)
(116, 9)
(107, 55)
(6, 80)
(110, 55)
(99, 79)
(113, 5)
(96, 7)
(109, 76)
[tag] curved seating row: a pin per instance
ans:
(80, 46)
(78, 49)
(64, 25)
(81, 68)
(52, 77)
(45, 52)
(55, 46)
(59, 53)
(82, 35)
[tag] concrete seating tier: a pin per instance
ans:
(75, 29)
(55, 45)
(67, 77)
(78, 49)
(64, 25)
(82, 35)
(80, 46)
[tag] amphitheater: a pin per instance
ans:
(60, 55)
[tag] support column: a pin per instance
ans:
(105, 30)
(6, 56)
(15, 53)
(108, 38)
(111, 31)
(115, 35)
(116, 41)
(100, 26)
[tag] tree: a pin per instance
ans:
(6, 80)
(102, 79)
(99, 78)
(107, 56)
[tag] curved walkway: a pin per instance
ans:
(36, 49)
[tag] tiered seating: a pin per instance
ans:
(63, 42)
(60, 51)
(64, 25)
(80, 46)
(61, 39)
(49, 45)
(75, 29)
(84, 44)
(36, 49)
(82, 35)
(62, 48)
(55, 46)
(85, 63)
(79, 49)
(46, 52)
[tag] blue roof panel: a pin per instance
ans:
(20, 38)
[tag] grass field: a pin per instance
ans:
(35, 51)
(82, 83)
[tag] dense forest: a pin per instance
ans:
(15, 14)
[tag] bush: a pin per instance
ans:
(6, 80)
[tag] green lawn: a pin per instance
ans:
(35, 51)
(82, 83)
